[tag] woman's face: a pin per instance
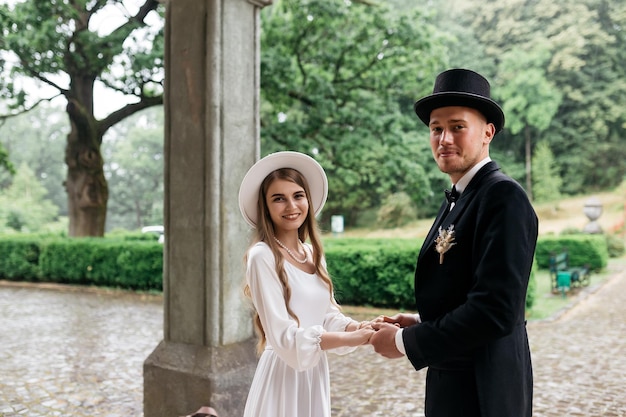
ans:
(287, 204)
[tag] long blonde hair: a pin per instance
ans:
(265, 233)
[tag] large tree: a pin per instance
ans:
(585, 44)
(338, 80)
(67, 48)
(530, 100)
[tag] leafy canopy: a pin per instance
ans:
(58, 43)
(338, 81)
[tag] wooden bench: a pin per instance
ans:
(565, 277)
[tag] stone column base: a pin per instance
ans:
(180, 378)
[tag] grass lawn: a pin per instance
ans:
(548, 305)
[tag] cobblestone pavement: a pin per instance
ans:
(78, 353)
(74, 353)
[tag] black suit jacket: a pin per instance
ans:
(473, 305)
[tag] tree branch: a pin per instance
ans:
(4, 117)
(128, 110)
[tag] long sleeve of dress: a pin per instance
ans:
(297, 346)
(335, 321)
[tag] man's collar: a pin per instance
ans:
(465, 179)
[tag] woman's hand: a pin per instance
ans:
(362, 336)
(400, 319)
(334, 340)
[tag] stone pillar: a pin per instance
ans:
(207, 356)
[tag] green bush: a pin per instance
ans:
(19, 259)
(366, 272)
(396, 211)
(141, 266)
(66, 261)
(110, 262)
(104, 262)
(380, 272)
(373, 272)
(532, 286)
(583, 249)
(615, 245)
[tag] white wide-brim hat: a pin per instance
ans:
(307, 166)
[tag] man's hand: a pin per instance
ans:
(401, 319)
(384, 340)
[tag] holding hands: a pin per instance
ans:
(384, 339)
(363, 335)
(381, 332)
(400, 319)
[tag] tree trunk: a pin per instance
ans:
(86, 186)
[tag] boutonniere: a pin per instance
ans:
(444, 241)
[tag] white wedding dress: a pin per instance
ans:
(291, 379)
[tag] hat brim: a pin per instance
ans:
(307, 166)
(489, 108)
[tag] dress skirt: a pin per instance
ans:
(279, 390)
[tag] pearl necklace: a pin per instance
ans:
(306, 255)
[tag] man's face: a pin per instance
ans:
(459, 139)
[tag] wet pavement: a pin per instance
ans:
(74, 353)
(67, 351)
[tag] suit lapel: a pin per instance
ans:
(430, 238)
(444, 221)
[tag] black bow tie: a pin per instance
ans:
(452, 196)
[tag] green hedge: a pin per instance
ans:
(366, 272)
(19, 258)
(583, 249)
(118, 262)
(380, 272)
(373, 272)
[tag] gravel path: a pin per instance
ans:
(77, 352)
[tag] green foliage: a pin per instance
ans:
(529, 98)
(396, 211)
(583, 249)
(53, 37)
(585, 43)
(5, 163)
(37, 139)
(103, 262)
(19, 258)
(546, 180)
(531, 293)
(365, 272)
(373, 272)
(61, 49)
(338, 81)
(615, 246)
(23, 206)
(135, 171)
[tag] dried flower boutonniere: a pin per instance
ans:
(444, 241)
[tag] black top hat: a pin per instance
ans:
(461, 87)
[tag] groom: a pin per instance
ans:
(473, 269)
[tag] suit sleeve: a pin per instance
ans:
(502, 252)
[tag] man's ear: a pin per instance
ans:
(490, 132)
